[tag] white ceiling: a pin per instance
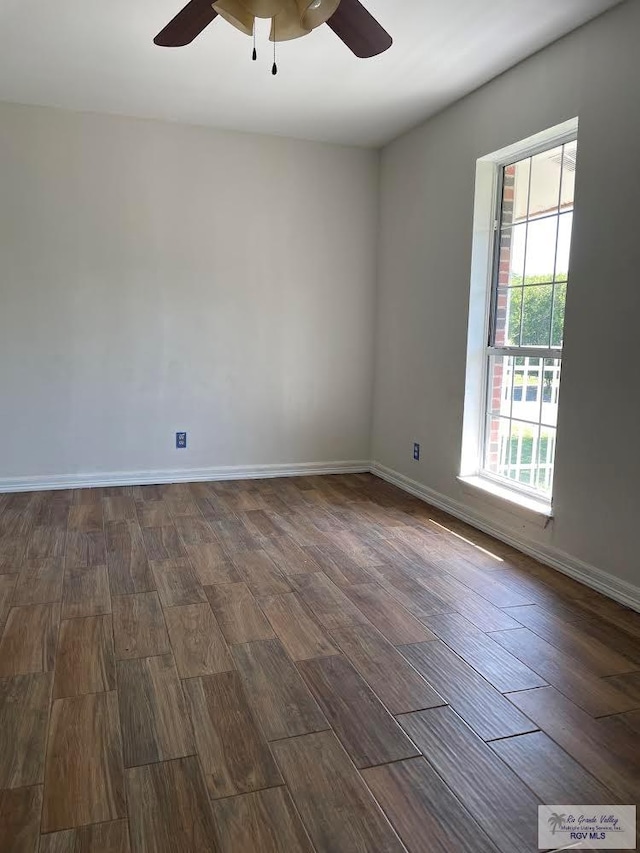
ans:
(100, 56)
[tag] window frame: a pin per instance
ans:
(488, 206)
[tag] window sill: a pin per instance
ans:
(520, 503)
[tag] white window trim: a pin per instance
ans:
(482, 269)
(493, 489)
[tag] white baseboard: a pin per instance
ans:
(597, 579)
(180, 475)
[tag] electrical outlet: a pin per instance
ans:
(181, 440)
(416, 452)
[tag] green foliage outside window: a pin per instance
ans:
(541, 309)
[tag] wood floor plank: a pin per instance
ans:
(84, 781)
(260, 523)
(335, 805)
(298, 527)
(85, 661)
(129, 570)
(46, 542)
(85, 549)
(296, 628)
(197, 640)
(29, 639)
(153, 514)
(86, 592)
(20, 810)
(260, 573)
(338, 566)
(290, 557)
(246, 500)
(194, 531)
(119, 508)
(264, 821)
(364, 726)
(291, 495)
(7, 586)
(421, 542)
(155, 722)
(482, 707)
(238, 614)
(485, 615)
(24, 717)
(622, 618)
(570, 589)
(40, 581)
(276, 691)
(482, 550)
(169, 810)
(17, 514)
(163, 543)
(212, 564)
(483, 583)
(149, 493)
(277, 504)
(612, 636)
(496, 798)
(504, 670)
(629, 684)
(612, 612)
(412, 595)
(630, 720)
(619, 732)
(184, 506)
(595, 695)
(573, 640)
(393, 554)
(12, 551)
(174, 491)
(16, 520)
(584, 739)
(50, 512)
(328, 602)
(177, 583)
(87, 495)
(214, 507)
(427, 816)
(234, 535)
(400, 687)
(110, 837)
(388, 615)
(86, 518)
(235, 756)
(549, 771)
(537, 592)
(139, 628)
(325, 520)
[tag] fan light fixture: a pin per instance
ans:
(290, 19)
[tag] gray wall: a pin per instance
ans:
(158, 277)
(424, 264)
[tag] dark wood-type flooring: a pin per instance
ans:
(320, 663)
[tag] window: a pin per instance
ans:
(522, 351)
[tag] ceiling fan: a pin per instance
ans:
(290, 19)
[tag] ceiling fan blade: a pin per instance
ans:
(359, 30)
(187, 24)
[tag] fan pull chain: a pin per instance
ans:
(274, 70)
(254, 55)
